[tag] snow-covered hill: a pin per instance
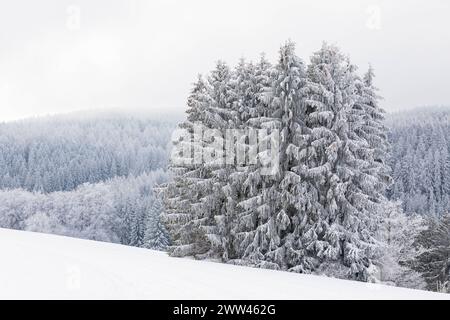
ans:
(38, 266)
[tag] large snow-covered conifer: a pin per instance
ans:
(317, 210)
(342, 214)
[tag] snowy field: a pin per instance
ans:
(38, 266)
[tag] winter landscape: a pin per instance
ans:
(293, 174)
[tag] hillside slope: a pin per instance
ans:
(38, 266)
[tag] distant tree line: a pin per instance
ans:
(60, 153)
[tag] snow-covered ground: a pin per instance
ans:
(38, 266)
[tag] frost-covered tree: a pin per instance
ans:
(248, 185)
(284, 199)
(195, 200)
(219, 204)
(182, 196)
(243, 185)
(345, 198)
(397, 235)
(433, 263)
(265, 201)
(156, 236)
(371, 127)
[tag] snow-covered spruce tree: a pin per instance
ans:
(156, 236)
(218, 206)
(243, 85)
(242, 100)
(434, 262)
(137, 226)
(397, 235)
(127, 214)
(371, 127)
(249, 184)
(182, 195)
(267, 205)
(342, 212)
(287, 195)
(195, 202)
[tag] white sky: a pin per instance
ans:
(146, 53)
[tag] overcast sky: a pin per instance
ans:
(59, 56)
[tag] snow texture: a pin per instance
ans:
(38, 266)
